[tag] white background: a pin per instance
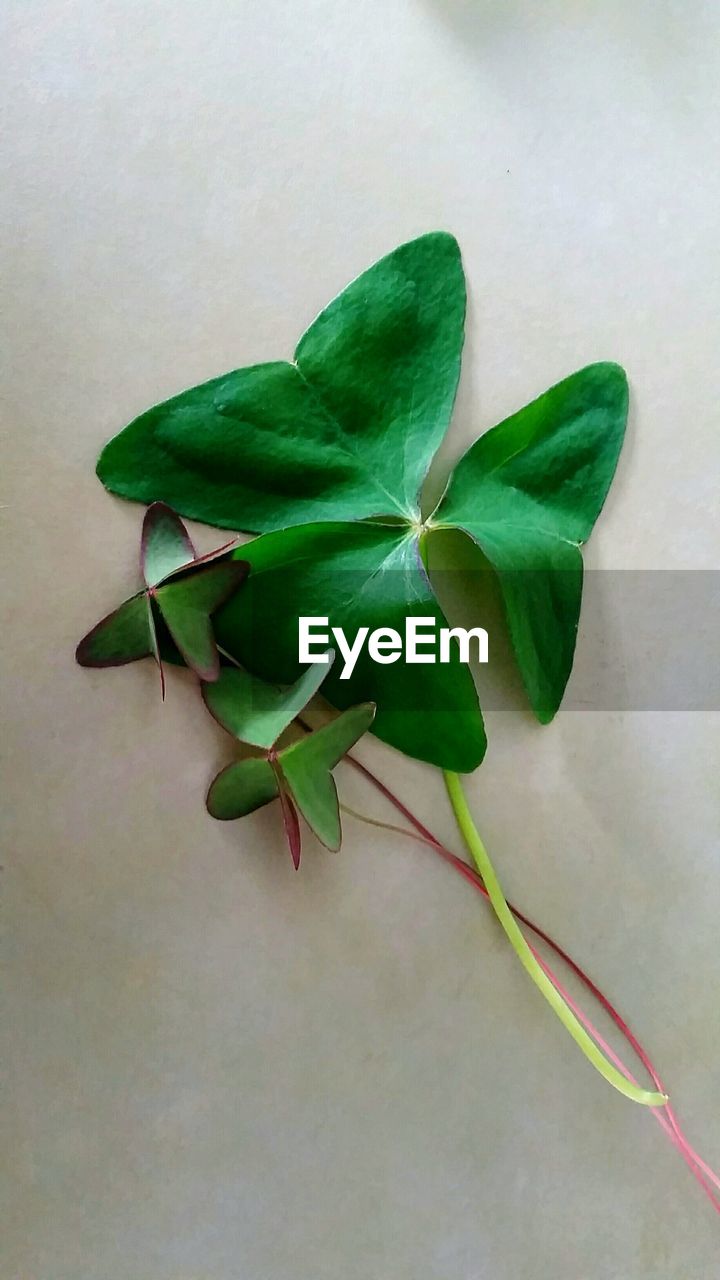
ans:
(219, 1069)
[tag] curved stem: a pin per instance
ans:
(664, 1116)
(517, 940)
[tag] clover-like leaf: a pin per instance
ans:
(345, 431)
(528, 493)
(344, 434)
(300, 774)
(184, 589)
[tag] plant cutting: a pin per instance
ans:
(323, 458)
(181, 591)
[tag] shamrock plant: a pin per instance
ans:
(324, 458)
(327, 454)
(299, 773)
(181, 590)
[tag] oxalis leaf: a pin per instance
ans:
(528, 493)
(182, 588)
(299, 774)
(346, 432)
(355, 574)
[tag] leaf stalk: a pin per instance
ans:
(516, 938)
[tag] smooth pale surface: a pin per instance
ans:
(221, 1069)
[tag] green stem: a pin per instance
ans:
(516, 938)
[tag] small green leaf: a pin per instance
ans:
(345, 432)
(165, 545)
(186, 604)
(123, 636)
(307, 768)
(256, 712)
(241, 788)
(528, 492)
(184, 599)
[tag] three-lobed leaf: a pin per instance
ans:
(346, 433)
(184, 589)
(300, 774)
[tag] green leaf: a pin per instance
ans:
(307, 768)
(241, 788)
(345, 432)
(529, 492)
(300, 774)
(256, 712)
(186, 605)
(357, 575)
(188, 592)
(165, 545)
(123, 636)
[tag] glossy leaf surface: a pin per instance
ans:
(307, 767)
(346, 431)
(184, 598)
(528, 492)
(125, 635)
(257, 712)
(242, 788)
(357, 575)
(300, 773)
(165, 544)
(186, 605)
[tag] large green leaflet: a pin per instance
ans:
(355, 574)
(347, 432)
(528, 492)
(301, 773)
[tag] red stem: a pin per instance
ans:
(666, 1116)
